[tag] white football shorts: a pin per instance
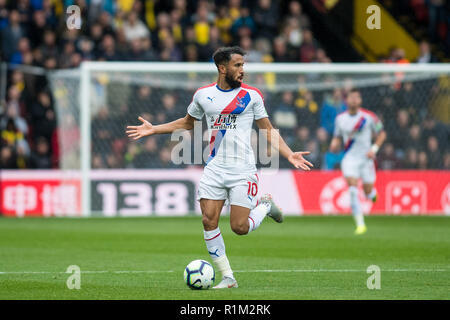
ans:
(238, 189)
(363, 168)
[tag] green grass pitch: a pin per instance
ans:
(302, 258)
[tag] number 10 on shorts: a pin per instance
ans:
(252, 189)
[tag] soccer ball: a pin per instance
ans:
(199, 274)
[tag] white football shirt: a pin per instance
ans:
(229, 117)
(357, 131)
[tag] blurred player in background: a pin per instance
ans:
(358, 127)
(230, 106)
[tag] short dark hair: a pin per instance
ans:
(223, 54)
(354, 90)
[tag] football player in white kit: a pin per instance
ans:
(230, 106)
(358, 127)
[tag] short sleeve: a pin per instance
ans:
(259, 108)
(377, 125)
(194, 109)
(337, 129)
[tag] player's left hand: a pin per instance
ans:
(371, 155)
(298, 161)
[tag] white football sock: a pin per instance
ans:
(223, 265)
(216, 249)
(356, 206)
(372, 194)
(257, 215)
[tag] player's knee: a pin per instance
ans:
(208, 223)
(239, 228)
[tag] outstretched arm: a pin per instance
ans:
(296, 158)
(147, 129)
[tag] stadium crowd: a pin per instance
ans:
(34, 33)
(433, 16)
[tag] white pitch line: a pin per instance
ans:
(238, 271)
(99, 271)
(346, 270)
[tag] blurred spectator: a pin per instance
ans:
(323, 140)
(40, 159)
(308, 47)
(169, 50)
(37, 28)
(293, 34)
(280, 53)
(130, 154)
(96, 34)
(201, 25)
(49, 46)
(108, 49)
(7, 158)
(434, 154)
(244, 26)
(397, 137)
(11, 34)
(252, 55)
(408, 98)
(266, 16)
(436, 15)
(446, 161)
(234, 8)
(113, 161)
(97, 162)
(136, 52)
(86, 49)
(170, 107)
(425, 55)
(307, 110)
(148, 53)
(165, 159)
(43, 117)
(134, 28)
(3, 14)
(10, 134)
(414, 139)
(387, 159)
(148, 157)
(397, 55)
(205, 52)
(422, 162)
(301, 139)
(64, 60)
(284, 113)
(13, 109)
(101, 131)
(296, 12)
(143, 99)
(411, 160)
(23, 48)
(223, 22)
(431, 127)
(331, 107)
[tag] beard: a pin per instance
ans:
(231, 82)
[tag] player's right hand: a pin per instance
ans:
(137, 132)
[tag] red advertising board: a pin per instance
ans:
(172, 192)
(40, 197)
(399, 192)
